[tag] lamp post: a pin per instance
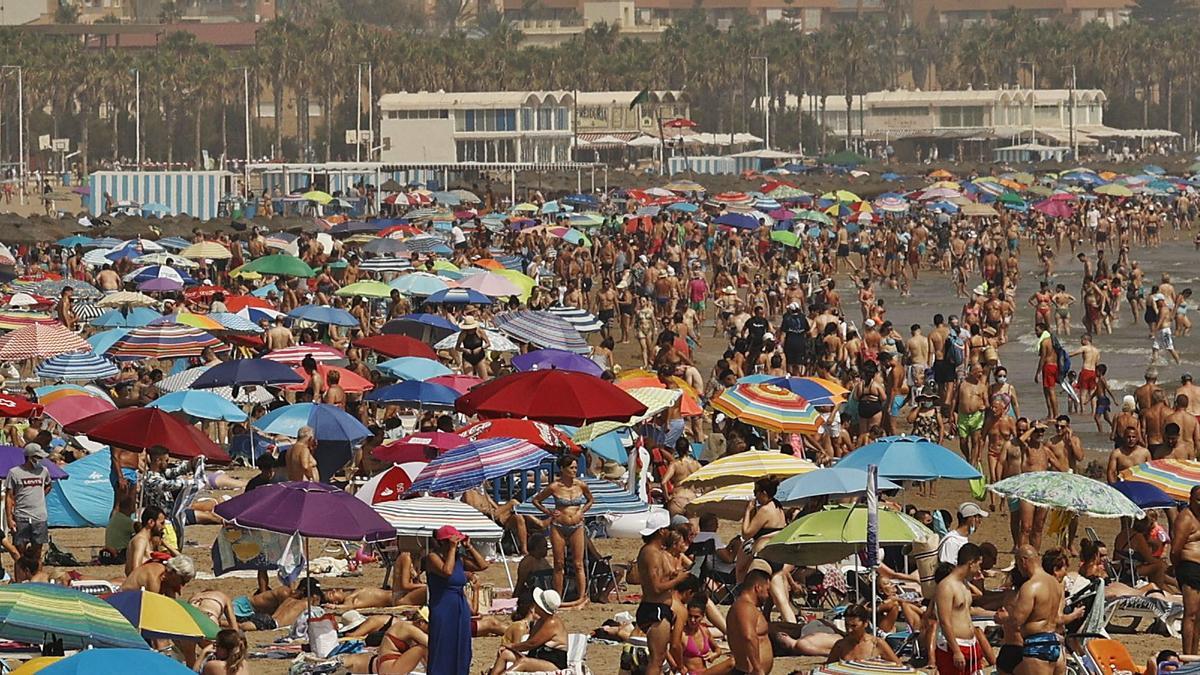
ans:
(246, 94)
(766, 99)
(137, 111)
(20, 127)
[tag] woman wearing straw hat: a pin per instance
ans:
(546, 647)
(472, 348)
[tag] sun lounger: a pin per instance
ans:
(1128, 614)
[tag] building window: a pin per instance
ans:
(960, 116)
(527, 119)
(545, 119)
(561, 122)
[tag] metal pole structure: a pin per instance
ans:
(358, 117)
(766, 103)
(21, 163)
(246, 92)
(137, 109)
(1071, 116)
(371, 112)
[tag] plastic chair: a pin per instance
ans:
(1110, 656)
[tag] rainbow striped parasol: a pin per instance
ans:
(12, 319)
(164, 342)
(32, 612)
(469, 465)
(769, 407)
(869, 667)
(1176, 477)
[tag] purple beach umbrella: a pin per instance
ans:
(309, 509)
(545, 359)
(160, 284)
(11, 455)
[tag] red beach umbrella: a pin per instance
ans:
(551, 396)
(139, 429)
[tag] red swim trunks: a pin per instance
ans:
(972, 654)
(1050, 376)
(1086, 381)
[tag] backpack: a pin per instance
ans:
(1151, 315)
(954, 351)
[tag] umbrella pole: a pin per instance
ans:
(307, 594)
(874, 598)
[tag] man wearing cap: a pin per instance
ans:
(25, 503)
(969, 518)
(747, 626)
(658, 579)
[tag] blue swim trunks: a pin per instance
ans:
(1043, 646)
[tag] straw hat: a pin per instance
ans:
(469, 323)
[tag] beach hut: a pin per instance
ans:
(193, 193)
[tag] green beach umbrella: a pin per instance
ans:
(367, 289)
(787, 238)
(317, 196)
(280, 265)
(814, 217)
(1012, 199)
(836, 532)
(1068, 491)
(1114, 190)
(34, 613)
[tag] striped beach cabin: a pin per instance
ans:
(193, 193)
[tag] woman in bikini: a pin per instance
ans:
(403, 646)
(473, 347)
(699, 648)
(229, 657)
(572, 499)
(859, 644)
(546, 647)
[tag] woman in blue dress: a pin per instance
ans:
(449, 614)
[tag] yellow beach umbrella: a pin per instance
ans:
(35, 665)
(728, 502)
(206, 249)
(748, 466)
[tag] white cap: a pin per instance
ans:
(870, 323)
(657, 520)
(968, 509)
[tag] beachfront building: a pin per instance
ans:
(968, 124)
(515, 126)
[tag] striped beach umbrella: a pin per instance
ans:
(583, 320)
(421, 517)
(469, 465)
(161, 618)
(542, 329)
(210, 250)
(77, 367)
(14, 319)
(151, 272)
(294, 355)
(1176, 477)
(748, 466)
(235, 322)
(497, 342)
(458, 296)
(32, 612)
(419, 283)
(610, 499)
(385, 265)
(54, 288)
(391, 483)
(768, 406)
(164, 342)
(655, 399)
(727, 502)
(184, 380)
(40, 341)
(87, 311)
(815, 390)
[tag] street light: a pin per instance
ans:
(20, 127)
(137, 111)
(1071, 114)
(766, 103)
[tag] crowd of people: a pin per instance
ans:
(700, 306)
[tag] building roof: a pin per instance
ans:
(439, 100)
(908, 98)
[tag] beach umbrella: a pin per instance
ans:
(423, 327)
(815, 390)
(540, 434)
(102, 342)
(206, 250)
(236, 303)
(53, 392)
(350, 381)
(235, 323)
(394, 346)
(151, 272)
(40, 341)
(415, 393)
(469, 465)
(460, 383)
(308, 509)
(655, 399)
(246, 371)
(294, 355)
(814, 217)
(748, 466)
(205, 405)
(33, 613)
(975, 210)
(135, 317)
(421, 517)
(546, 359)
(768, 406)
(88, 311)
(728, 503)
(609, 499)
(164, 342)
(910, 458)
(390, 484)
(183, 380)
(741, 221)
(324, 314)
(77, 367)
(140, 429)
(835, 532)
(552, 396)
(419, 447)
(257, 314)
(68, 409)
(419, 284)
(328, 422)
(583, 320)
(53, 288)
(492, 284)
(317, 196)
(458, 296)
(126, 299)
(1145, 495)
(1176, 477)
(24, 300)
(75, 240)
(161, 618)
(186, 318)
(412, 368)
(1067, 491)
(786, 237)
(12, 405)
(827, 482)
(115, 662)
(366, 289)
(542, 329)
(11, 455)
(1114, 190)
(1055, 208)
(280, 265)
(14, 320)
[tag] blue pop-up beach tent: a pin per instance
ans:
(86, 500)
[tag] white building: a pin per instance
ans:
(512, 126)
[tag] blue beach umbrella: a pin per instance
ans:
(910, 458)
(77, 367)
(329, 423)
(323, 314)
(134, 318)
(458, 296)
(246, 371)
(413, 368)
(415, 393)
(202, 404)
(828, 481)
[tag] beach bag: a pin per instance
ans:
(979, 485)
(323, 634)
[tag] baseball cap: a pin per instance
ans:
(679, 519)
(657, 520)
(447, 532)
(968, 509)
(35, 451)
(760, 565)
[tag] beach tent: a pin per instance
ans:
(86, 500)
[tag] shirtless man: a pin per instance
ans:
(918, 348)
(1037, 610)
(1144, 393)
(1011, 461)
(606, 306)
(1188, 388)
(658, 577)
(747, 626)
(279, 337)
(277, 608)
(1154, 419)
(1189, 428)
(301, 464)
(1068, 452)
(1047, 369)
(144, 541)
(165, 578)
(1128, 455)
(1086, 384)
(108, 280)
(1037, 455)
(958, 652)
(970, 407)
(1185, 556)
